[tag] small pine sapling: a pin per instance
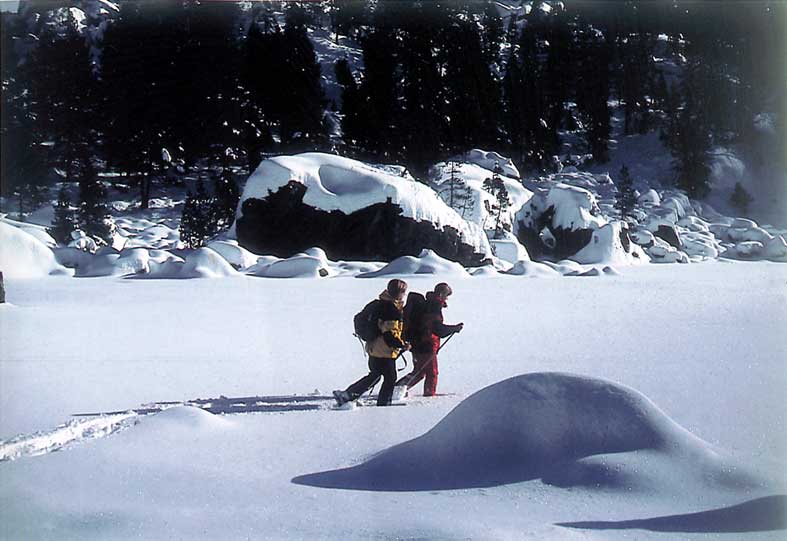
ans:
(626, 197)
(93, 217)
(457, 194)
(64, 221)
(497, 187)
(198, 222)
(741, 199)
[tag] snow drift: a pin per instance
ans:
(24, 256)
(427, 262)
(539, 425)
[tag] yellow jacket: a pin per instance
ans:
(390, 323)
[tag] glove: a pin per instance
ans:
(458, 327)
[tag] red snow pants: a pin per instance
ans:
(425, 366)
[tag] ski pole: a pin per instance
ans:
(446, 341)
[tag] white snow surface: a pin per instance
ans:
(338, 183)
(585, 437)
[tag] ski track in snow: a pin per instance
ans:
(86, 427)
(70, 433)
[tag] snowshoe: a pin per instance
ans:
(341, 397)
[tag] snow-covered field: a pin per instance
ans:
(704, 342)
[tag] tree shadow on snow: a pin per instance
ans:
(759, 515)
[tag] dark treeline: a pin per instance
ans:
(176, 84)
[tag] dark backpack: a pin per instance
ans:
(365, 321)
(414, 311)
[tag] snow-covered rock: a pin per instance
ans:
(237, 256)
(475, 204)
(305, 265)
(351, 208)
(749, 249)
(427, 262)
(650, 197)
(560, 222)
(509, 249)
(488, 160)
(22, 255)
(610, 244)
(662, 252)
(205, 263)
(643, 237)
(776, 249)
(38, 231)
(531, 269)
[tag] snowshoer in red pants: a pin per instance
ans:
(428, 329)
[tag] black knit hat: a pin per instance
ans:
(443, 289)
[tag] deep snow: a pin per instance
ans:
(703, 342)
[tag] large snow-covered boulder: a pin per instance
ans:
(564, 429)
(560, 223)
(24, 256)
(350, 209)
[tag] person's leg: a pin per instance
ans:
(430, 387)
(388, 369)
(417, 374)
(365, 383)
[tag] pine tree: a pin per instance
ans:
(741, 199)
(457, 194)
(689, 136)
(93, 217)
(30, 197)
(64, 221)
(626, 197)
(227, 195)
(198, 222)
(497, 187)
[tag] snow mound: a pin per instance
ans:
(22, 255)
(488, 160)
(427, 262)
(606, 246)
(313, 263)
(237, 256)
(532, 269)
(178, 422)
(205, 263)
(547, 426)
(38, 231)
(338, 183)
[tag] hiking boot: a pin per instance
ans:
(341, 397)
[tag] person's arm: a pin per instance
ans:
(441, 329)
(392, 333)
